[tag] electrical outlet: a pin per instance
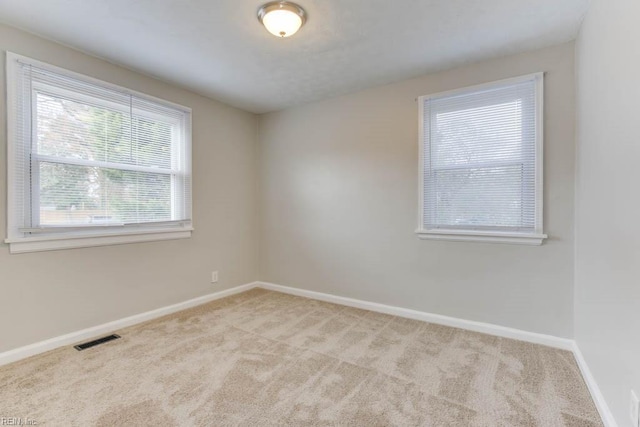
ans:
(214, 277)
(634, 408)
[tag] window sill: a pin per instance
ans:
(76, 240)
(483, 236)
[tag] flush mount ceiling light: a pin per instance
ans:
(282, 18)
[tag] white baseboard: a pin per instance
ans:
(596, 394)
(75, 337)
(485, 328)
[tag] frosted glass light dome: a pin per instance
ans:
(281, 18)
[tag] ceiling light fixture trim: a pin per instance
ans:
(282, 18)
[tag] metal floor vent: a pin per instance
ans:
(94, 343)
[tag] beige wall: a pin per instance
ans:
(337, 204)
(47, 294)
(339, 198)
(607, 298)
(335, 211)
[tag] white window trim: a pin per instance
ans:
(79, 240)
(489, 236)
(18, 242)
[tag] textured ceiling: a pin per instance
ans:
(219, 49)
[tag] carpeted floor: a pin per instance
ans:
(263, 358)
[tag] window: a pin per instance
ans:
(481, 163)
(91, 163)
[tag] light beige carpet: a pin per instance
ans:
(263, 358)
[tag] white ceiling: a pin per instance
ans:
(219, 49)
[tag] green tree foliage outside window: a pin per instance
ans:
(69, 130)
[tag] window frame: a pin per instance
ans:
(21, 241)
(487, 234)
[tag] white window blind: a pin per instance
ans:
(88, 156)
(482, 161)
